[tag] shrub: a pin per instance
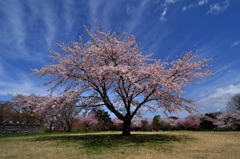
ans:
(229, 121)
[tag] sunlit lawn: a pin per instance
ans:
(175, 144)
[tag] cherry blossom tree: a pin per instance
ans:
(47, 110)
(166, 123)
(7, 112)
(229, 120)
(117, 124)
(179, 124)
(31, 107)
(116, 121)
(110, 70)
(89, 120)
(30, 103)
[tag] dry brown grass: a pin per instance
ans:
(146, 145)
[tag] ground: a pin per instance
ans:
(146, 145)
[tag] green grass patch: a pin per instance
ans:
(49, 133)
(96, 144)
(109, 145)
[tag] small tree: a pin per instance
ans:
(28, 107)
(234, 103)
(68, 114)
(155, 122)
(45, 110)
(117, 124)
(7, 113)
(88, 121)
(229, 121)
(208, 121)
(104, 120)
(111, 71)
(145, 125)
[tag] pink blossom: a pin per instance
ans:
(111, 70)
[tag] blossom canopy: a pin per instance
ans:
(110, 70)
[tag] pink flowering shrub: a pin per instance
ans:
(89, 121)
(116, 121)
(117, 124)
(166, 123)
(229, 121)
(146, 125)
(190, 124)
(179, 124)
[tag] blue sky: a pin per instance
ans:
(29, 29)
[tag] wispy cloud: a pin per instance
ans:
(1, 70)
(135, 14)
(68, 6)
(202, 2)
(144, 2)
(219, 98)
(23, 85)
(99, 16)
(93, 11)
(218, 7)
(13, 16)
(20, 26)
(235, 43)
(50, 20)
(171, 1)
(162, 18)
(165, 5)
(192, 5)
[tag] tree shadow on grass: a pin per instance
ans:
(98, 143)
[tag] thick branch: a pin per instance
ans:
(144, 101)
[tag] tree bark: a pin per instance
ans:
(69, 126)
(126, 127)
(50, 128)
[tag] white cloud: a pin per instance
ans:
(22, 86)
(22, 25)
(136, 14)
(171, 1)
(184, 8)
(68, 7)
(200, 3)
(94, 11)
(218, 7)
(100, 12)
(219, 97)
(235, 43)
(49, 18)
(162, 18)
(167, 3)
(128, 9)
(13, 31)
(144, 2)
(12, 83)
(1, 70)
(46, 12)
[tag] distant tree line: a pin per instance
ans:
(57, 116)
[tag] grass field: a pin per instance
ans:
(146, 145)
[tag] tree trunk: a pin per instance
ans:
(69, 127)
(50, 128)
(126, 127)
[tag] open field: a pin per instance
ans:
(175, 144)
